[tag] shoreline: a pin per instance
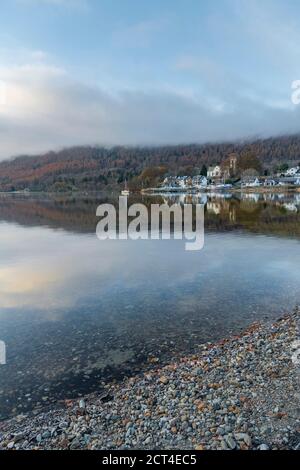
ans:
(246, 190)
(237, 393)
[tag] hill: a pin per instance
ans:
(96, 168)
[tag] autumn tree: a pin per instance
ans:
(248, 160)
(152, 175)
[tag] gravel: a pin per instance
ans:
(239, 393)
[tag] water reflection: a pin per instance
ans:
(268, 213)
(75, 312)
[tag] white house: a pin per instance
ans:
(252, 184)
(170, 182)
(184, 182)
(293, 171)
(270, 183)
(199, 181)
(214, 172)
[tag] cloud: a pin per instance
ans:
(230, 79)
(46, 109)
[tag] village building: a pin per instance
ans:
(199, 181)
(170, 182)
(252, 183)
(185, 182)
(270, 182)
(226, 170)
(229, 166)
(214, 172)
(293, 171)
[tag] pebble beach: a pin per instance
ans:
(239, 393)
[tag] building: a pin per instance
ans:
(199, 182)
(184, 182)
(229, 166)
(254, 183)
(170, 182)
(214, 172)
(293, 171)
(226, 170)
(269, 182)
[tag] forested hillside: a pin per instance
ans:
(98, 168)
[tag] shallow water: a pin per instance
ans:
(76, 312)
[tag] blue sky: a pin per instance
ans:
(145, 72)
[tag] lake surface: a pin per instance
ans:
(76, 312)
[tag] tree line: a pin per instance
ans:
(98, 167)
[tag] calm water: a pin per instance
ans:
(76, 312)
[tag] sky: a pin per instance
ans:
(140, 72)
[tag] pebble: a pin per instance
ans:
(229, 395)
(230, 442)
(164, 380)
(263, 447)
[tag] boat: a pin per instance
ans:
(125, 191)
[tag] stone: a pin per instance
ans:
(164, 380)
(244, 437)
(230, 442)
(82, 404)
(263, 447)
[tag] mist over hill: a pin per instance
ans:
(97, 168)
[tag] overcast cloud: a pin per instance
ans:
(88, 75)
